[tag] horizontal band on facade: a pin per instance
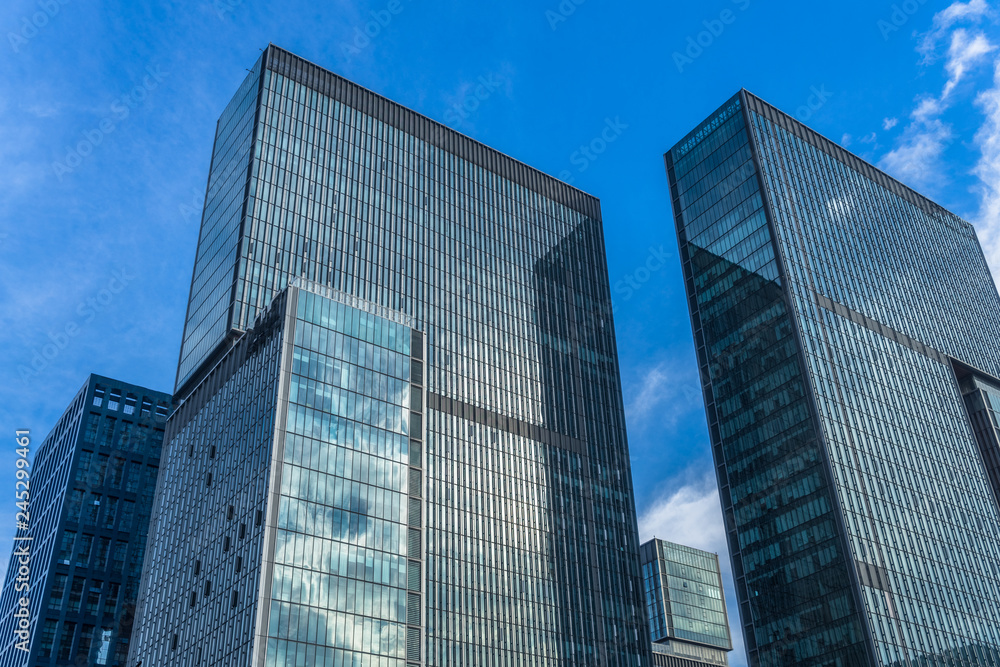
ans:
(879, 328)
(507, 424)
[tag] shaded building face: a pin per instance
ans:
(89, 503)
(528, 510)
(832, 309)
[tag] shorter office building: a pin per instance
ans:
(90, 490)
(685, 605)
(289, 522)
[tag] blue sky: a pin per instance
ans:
(107, 114)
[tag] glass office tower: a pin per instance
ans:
(685, 605)
(530, 550)
(91, 493)
(834, 310)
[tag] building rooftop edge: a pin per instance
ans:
(825, 144)
(678, 545)
(350, 300)
(109, 379)
(445, 128)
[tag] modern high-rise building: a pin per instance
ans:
(685, 605)
(90, 493)
(835, 312)
(470, 503)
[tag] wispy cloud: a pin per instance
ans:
(987, 140)
(691, 514)
(663, 394)
(917, 157)
(915, 161)
(889, 123)
(948, 17)
(959, 25)
(966, 51)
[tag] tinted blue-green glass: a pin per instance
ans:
(796, 600)
(531, 532)
(339, 585)
(890, 304)
(982, 400)
(208, 315)
(207, 538)
(684, 596)
(916, 495)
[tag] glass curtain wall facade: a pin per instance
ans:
(324, 508)
(684, 597)
(531, 540)
(685, 605)
(91, 486)
(831, 308)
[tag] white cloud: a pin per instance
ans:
(692, 515)
(664, 394)
(917, 156)
(966, 51)
(915, 160)
(987, 140)
(42, 110)
(889, 123)
(971, 11)
(961, 11)
(869, 139)
(845, 140)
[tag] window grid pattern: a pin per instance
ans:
(686, 584)
(683, 654)
(341, 564)
(91, 496)
(208, 314)
(510, 285)
(982, 400)
(915, 494)
(794, 584)
(200, 583)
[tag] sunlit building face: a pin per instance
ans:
(848, 333)
(479, 509)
